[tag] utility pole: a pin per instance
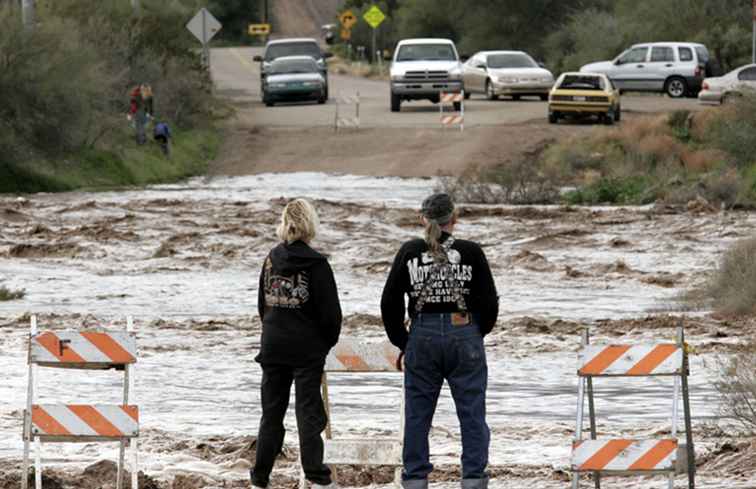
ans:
(753, 52)
(28, 13)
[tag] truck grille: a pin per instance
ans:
(426, 75)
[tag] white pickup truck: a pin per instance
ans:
(422, 68)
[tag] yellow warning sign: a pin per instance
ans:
(374, 16)
(259, 29)
(348, 19)
(346, 34)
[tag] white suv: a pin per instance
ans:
(674, 68)
(422, 68)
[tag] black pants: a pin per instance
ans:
(311, 421)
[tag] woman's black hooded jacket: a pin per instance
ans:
(299, 306)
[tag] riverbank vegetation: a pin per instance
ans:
(705, 159)
(65, 87)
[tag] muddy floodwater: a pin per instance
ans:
(184, 259)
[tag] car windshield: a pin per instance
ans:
(579, 82)
(511, 61)
(292, 49)
(281, 67)
(426, 52)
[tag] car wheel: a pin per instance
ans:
(467, 95)
(326, 91)
(490, 93)
(322, 100)
(396, 103)
(457, 106)
(609, 117)
(618, 114)
(676, 87)
(553, 117)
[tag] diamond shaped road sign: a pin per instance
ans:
(348, 19)
(204, 26)
(374, 16)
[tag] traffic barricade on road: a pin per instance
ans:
(354, 357)
(341, 119)
(628, 456)
(455, 118)
(78, 423)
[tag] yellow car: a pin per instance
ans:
(583, 95)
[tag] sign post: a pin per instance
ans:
(753, 51)
(204, 27)
(375, 17)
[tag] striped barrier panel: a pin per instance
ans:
(624, 456)
(630, 361)
(355, 356)
(84, 421)
(452, 120)
(59, 349)
(452, 97)
(352, 357)
(455, 118)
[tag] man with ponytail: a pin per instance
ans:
(452, 305)
(299, 307)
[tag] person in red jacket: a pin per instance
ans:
(298, 303)
(452, 305)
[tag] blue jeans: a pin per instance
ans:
(439, 350)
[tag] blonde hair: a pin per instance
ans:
(146, 90)
(299, 221)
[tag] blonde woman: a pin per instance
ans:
(452, 304)
(299, 307)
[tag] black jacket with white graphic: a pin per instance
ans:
(299, 306)
(469, 274)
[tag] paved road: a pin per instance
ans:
(237, 77)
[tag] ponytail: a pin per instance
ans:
(432, 238)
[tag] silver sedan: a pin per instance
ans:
(721, 89)
(506, 73)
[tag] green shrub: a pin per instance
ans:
(630, 190)
(11, 295)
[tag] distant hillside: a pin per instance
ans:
(302, 18)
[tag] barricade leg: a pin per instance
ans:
(121, 456)
(25, 473)
(591, 410)
(37, 463)
(134, 463)
(675, 418)
(579, 430)
(686, 411)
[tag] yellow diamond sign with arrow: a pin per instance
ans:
(374, 16)
(348, 19)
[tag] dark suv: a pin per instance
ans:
(293, 47)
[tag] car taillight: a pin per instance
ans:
(705, 86)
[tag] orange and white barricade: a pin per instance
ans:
(56, 423)
(628, 456)
(354, 357)
(342, 120)
(455, 118)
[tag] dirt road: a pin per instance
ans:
(297, 18)
(301, 136)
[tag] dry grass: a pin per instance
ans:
(737, 388)
(732, 287)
